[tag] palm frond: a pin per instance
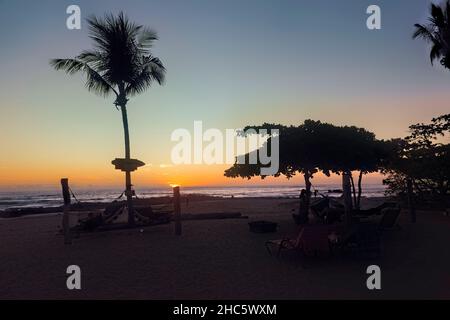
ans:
(152, 70)
(90, 56)
(447, 10)
(70, 66)
(437, 16)
(157, 69)
(423, 32)
(98, 32)
(140, 83)
(435, 52)
(146, 38)
(437, 33)
(94, 81)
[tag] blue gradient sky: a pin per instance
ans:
(230, 63)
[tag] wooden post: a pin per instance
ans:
(177, 210)
(129, 195)
(347, 194)
(412, 209)
(66, 210)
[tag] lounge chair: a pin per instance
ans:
(319, 205)
(311, 240)
(364, 238)
(376, 210)
(368, 235)
(317, 208)
(285, 243)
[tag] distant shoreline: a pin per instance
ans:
(15, 212)
(48, 199)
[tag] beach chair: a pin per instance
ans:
(312, 240)
(285, 243)
(112, 211)
(364, 238)
(378, 210)
(318, 206)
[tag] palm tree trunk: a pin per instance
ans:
(128, 184)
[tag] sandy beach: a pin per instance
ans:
(217, 259)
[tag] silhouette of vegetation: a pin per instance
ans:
(437, 33)
(424, 159)
(355, 150)
(121, 63)
(421, 158)
(314, 147)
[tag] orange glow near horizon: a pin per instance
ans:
(149, 176)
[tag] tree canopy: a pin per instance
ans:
(121, 61)
(315, 146)
(422, 157)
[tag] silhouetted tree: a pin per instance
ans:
(437, 33)
(315, 146)
(422, 159)
(298, 151)
(121, 63)
(425, 134)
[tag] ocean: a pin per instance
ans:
(51, 198)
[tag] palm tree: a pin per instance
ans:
(121, 63)
(437, 33)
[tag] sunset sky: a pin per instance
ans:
(229, 63)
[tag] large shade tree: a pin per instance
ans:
(316, 146)
(119, 64)
(299, 152)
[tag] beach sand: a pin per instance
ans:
(217, 259)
